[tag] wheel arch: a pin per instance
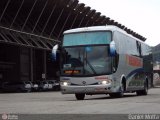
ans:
(123, 81)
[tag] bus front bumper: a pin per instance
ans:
(89, 89)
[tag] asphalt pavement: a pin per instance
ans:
(55, 105)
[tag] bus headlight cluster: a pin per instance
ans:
(65, 83)
(105, 82)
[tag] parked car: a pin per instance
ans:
(35, 86)
(45, 86)
(15, 86)
(55, 84)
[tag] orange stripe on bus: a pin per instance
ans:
(134, 61)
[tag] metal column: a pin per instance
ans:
(45, 66)
(31, 64)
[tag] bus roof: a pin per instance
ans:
(100, 28)
(94, 28)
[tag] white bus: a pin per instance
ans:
(103, 60)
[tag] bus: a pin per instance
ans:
(103, 60)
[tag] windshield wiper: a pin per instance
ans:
(91, 66)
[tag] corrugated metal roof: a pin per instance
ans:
(49, 18)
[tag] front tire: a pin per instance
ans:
(80, 96)
(119, 94)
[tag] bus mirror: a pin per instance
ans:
(54, 52)
(112, 49)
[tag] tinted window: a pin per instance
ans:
(87, 38)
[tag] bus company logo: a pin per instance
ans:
(4, 116)
(84, 82)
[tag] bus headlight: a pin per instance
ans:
(104, 82)
(65, 83)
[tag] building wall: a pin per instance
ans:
(9, 62)
(16, 64)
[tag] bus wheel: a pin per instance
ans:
(80, 96)
(112, 95)
(144, 91)
(139, 92)
(121, 93)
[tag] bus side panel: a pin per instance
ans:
(132, 62)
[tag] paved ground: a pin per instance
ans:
(56, 103)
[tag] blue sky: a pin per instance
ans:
(141, 16)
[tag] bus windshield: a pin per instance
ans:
(86, 60)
